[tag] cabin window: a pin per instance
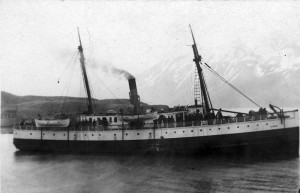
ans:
(115, 119)
(174, 131)
(219, 128)
(228, 127)
(192, 131)
(90, 120)
(183, 131)
(30, 133)
(238, 126)
(138, 133)
(64, 134)
(110, 119)
(114, 134)
(92, 134)
(247, 125)
(201, 130)
(210, 129)
(53, 134)
(149, 133)
(126, 133)
(166, 132)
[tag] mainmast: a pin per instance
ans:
(85, 78)
(206, 102)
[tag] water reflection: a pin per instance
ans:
(58, 172)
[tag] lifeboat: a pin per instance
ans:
(52, 123)
(143, 117)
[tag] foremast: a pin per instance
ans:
(85, 78)
(206, 102)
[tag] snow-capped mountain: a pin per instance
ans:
(264, 77)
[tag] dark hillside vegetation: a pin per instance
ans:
(30, 106)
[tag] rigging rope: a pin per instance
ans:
(227, 82)
(90, 44)
(108, 89)
(62, 98)
(65, 100)
(75, 53)
(84, 87)
(81, 96)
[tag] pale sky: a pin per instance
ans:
(38, 39)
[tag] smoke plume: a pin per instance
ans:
(122, 72)
(109, 68)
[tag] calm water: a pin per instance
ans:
(36, 172)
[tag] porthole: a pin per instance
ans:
(166, 132)
(114, 134)
(64, 134)
(99, 134)
(74, 134)
(30, 133)
(53, 134)
(257, 124)
(138, 133)
(84, 134)
(247, 125)
(183, 131)
(192, 130)
(266, 123)
(228, 127)
(238, 126)
(92, 134)
(201, 130)
(43, 133)
(219, 128)
(126, 133)
(210, 129)
(149, 133)
(174, 131)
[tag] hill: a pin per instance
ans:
(31, 106)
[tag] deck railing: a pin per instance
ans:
(225, 120)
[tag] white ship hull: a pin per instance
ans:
(267, 134)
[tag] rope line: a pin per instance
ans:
(62, 97)
(228, 83)
(75, 53)
(108, 89)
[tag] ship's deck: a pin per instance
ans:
(166, 124)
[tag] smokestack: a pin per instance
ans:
(134, 97)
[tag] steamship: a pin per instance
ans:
(185, 129)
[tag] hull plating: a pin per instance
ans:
(280, 140)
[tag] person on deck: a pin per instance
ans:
(159, 121)
(105, 122)
(219, 116)
(155, 123)
(169, 121)
(165, 121)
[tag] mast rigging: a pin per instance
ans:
(85, 78)
(207, 105)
